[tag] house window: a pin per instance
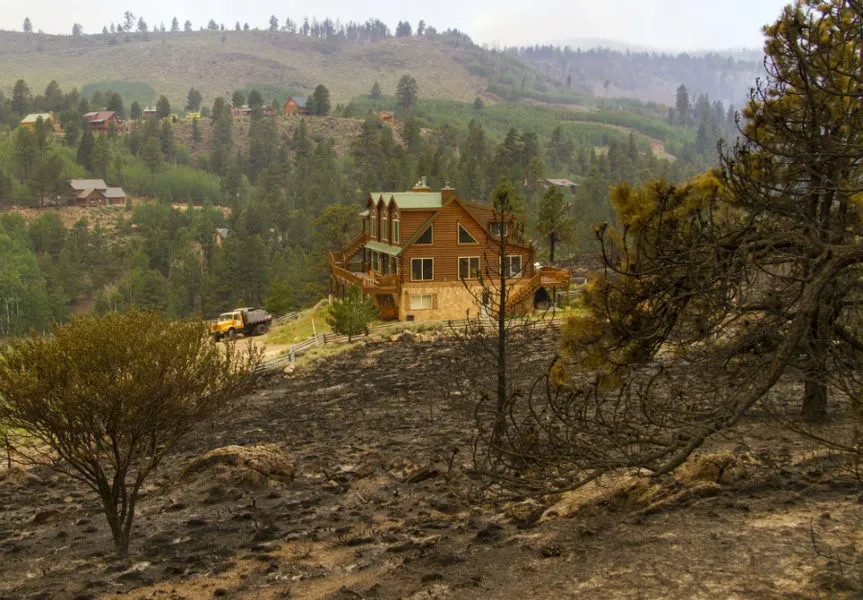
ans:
(468, 267)
(495, 228)
(374, 228)
(375, 261)
(385, 231)
(422, 269)
(464, 236)
(512, 266)
(426, 237)
(396, 232)
(422, 301)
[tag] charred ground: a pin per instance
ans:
(383, 504)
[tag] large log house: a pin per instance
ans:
(420, 255)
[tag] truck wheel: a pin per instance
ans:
(232, 333)
(260, 329)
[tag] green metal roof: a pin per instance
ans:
(384, 248)
(407, 200)
(33, 117)
(364, 213)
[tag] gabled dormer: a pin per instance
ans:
(383, 220)
(395, 222)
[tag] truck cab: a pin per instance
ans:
(248, 321)
(228, 324)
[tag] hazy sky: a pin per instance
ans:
(663, 24)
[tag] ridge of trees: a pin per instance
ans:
(290, 198)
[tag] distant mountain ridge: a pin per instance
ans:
(281, 63)
(647, 74)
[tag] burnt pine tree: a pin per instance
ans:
(775, 246)
(747, 276)
(496, 340)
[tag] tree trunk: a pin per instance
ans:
(121, 541)
(552, 239)
(814, 408)
(500, 423)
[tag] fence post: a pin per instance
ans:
(292, 354)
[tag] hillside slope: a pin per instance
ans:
(647, 76)
(219, 62)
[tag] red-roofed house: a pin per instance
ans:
(296, 105)
(103, 120)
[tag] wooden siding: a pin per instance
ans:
(446, 250)
(410, 220)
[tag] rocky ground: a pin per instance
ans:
(352, 480)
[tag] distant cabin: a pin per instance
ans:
(29, 122)
(93, 192)
(562, 183)
(246, 111)
(103, 120)
(386, 117)
(296, 105)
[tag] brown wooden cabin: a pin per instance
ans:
(103, 120)
(93, 192)
(29, 122)
(420, 255)
(296, 105)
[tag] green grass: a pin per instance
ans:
(298, 330)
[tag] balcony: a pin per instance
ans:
(553, 277)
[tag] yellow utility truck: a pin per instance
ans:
(248, 321)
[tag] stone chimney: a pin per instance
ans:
(421, 185)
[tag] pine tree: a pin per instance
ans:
(682, 106)
(321, 100)
(85, 150)
(407, 92)
(193, 100)
(553, 219)
(375, 93)
(352, 315)
(163, 107)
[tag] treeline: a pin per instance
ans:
(285, 200)
(372, 30)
